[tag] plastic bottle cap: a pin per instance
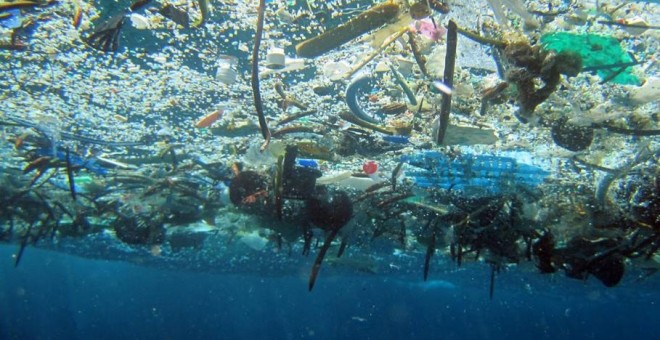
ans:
(275, 58)
(370, 167)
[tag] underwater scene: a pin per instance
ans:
(284, 169)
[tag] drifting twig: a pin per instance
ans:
(345, 115)
(319, 258)
(623, 24)
(69, 174)
(450, 60)
(610, 66)
(279, 88)
(478, 38)
(295, 117)
(631, 132)
(418, 56)
(256, 92)
(392, 38)
(643, 154)
(406, 89)
(295, 129)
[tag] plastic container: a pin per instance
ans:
(226, 70)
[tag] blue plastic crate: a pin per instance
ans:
(493, 174)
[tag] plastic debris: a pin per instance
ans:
(596, 51)
(466, 172)
(365, 22)
(77, 161)
(307, 163)
(370, 167)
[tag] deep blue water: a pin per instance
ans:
(57, 296)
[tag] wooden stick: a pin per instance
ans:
(258, 104)
(450, 61)
(392, 38)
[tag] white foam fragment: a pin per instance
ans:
(647, 93)
(139, 21)
(442, 87)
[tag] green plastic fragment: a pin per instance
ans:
(425, 202)
(596, 51)
(84, 179)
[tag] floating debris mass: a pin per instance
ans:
(502, 132)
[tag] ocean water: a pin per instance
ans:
(55, 296)
(353, 169)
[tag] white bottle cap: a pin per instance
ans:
(275, 58)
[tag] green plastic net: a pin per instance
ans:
(597, 51)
